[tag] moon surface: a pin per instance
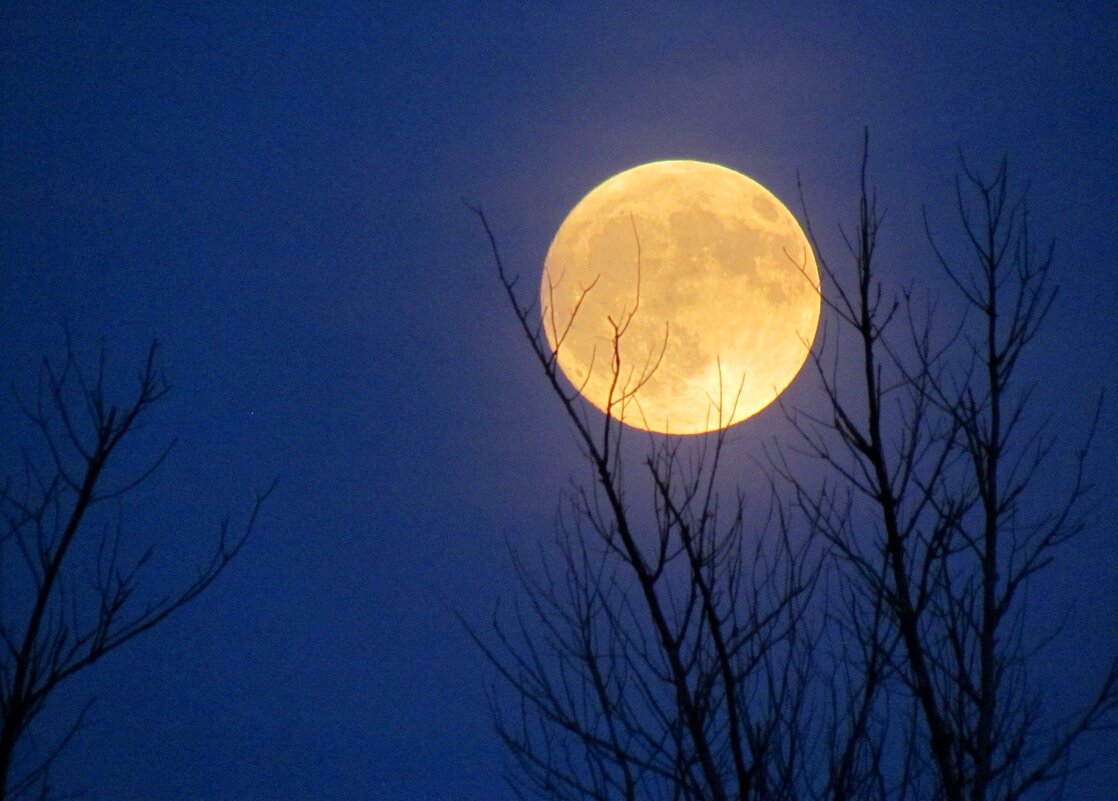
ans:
(680, 297)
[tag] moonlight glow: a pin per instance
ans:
(708, 282)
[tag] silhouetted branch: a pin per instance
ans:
(72, 621)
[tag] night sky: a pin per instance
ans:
(276, 195)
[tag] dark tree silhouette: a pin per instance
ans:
(860, 636)
(664, 656)
(933, 504)
(68, 595)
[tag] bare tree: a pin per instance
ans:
(69, 595)
(863, 636)
(665, 655)
(933, 452)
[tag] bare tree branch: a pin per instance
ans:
(69, 623)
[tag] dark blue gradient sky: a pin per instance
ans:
(275, 193)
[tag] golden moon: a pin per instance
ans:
(680, 297)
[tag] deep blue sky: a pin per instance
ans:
(275, 194)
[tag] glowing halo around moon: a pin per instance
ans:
(702, 279)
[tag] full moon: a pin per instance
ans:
(680, 297)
